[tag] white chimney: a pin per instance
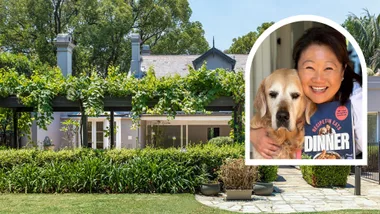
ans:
(65, 46)
(135, 62)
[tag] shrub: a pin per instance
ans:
(373, 159)
(267, 173)
(325, 176)
(236, 175)
(219, 141)
(113, 171)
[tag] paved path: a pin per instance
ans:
(298, 196)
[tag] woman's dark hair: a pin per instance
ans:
(337, 42)
(329, 130)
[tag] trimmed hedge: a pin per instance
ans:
(220, 141)
(114, 171)
(325, 176)
(267, 173)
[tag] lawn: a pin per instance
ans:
(113, 203)
(102, 203)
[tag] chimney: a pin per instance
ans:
(145, 50)
(65, 46)
(135, 62)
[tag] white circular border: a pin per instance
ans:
(248, 102)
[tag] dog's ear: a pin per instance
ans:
(311, 108)
(260, 102)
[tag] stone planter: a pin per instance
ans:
(50, 148)
(210, 189)
(234, 194)
(265, 189)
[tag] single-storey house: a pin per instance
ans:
(153, 129)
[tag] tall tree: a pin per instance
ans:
(30, 26)
(242, 45)
(100, 29)
(187, 39)
(366, 31)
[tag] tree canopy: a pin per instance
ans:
(366, 31)
(242, 45)
(186, 39)
(100, 29)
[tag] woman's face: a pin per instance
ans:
(320, 72)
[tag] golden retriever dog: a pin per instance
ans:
(322, 131)
(282, 108)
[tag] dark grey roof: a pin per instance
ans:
(168, 65)
(216, 51)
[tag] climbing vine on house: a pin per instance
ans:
(189, 94)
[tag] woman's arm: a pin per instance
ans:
(263, 144)
(356, 101)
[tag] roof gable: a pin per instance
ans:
(214, 51)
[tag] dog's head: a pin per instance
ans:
(281, 98)
(322, 131)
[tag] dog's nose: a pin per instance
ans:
(282, 116)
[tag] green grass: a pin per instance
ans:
(102, 203)
(114, 203)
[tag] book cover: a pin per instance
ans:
(330, 133)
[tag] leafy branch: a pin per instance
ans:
(152, 95)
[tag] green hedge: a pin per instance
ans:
(115, 171)
(268, 173)
(325, 176)
(220, 141)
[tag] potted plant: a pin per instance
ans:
(210, 188)
(238, 179)
(266, 176)
(48, 145)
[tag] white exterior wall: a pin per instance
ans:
(373, 103)
(128, 136)
(53, 131)
(199, 132)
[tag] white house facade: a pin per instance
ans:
(153, 129)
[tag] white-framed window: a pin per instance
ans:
(373, 127)
(89, 134)
(99, 135)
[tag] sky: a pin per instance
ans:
(228, 19)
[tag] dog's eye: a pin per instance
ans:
(295, 95)
(273, 94)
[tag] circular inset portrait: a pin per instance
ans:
(300, 76)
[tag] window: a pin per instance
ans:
(89, 134)
(99, 135)
(372, 127)
(212, 132)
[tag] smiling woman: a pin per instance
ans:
(322, 60)
(328, 80)
(320, 70)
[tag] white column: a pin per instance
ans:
(93, 133)
(118, 134)
(181, 136)
(187, 135)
